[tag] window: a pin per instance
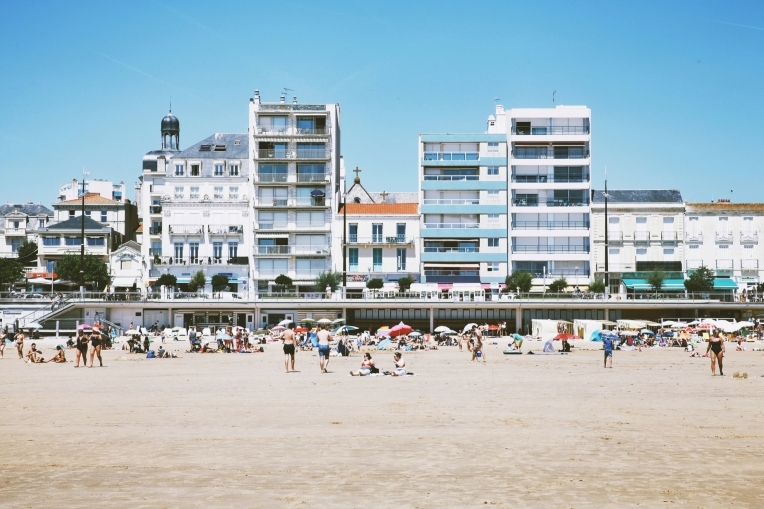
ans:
(233, 170)
(41, 223)
(125, 264)
(179, 193)
(233, 250)
(218, 194)
(194, 194)
(233, 193)
(219, 170)
(87, 213)
(310, 267)
(51, 241)
(217, 251)
(272, 267)
(73, 241)
(96, 241)
(493, 242)
(156, 248)
(492, 267)
(493, 146)
(641, 254)
(71, 213)
(310, 219)
(493, 192)
(376, 256)
(493, 170)
(696, 246)
(724, 246)
(178, 253)
(353, 232)
(353, 258)
(493, 218)
(400, 257)
(400, 232)
(180, 170)
(195, 170)
(103, 216)
(15, 243)
(376, 233)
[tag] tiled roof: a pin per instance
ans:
(132, 245)
(638, 196)
(394, 197)
(393, 209)
(90, 199)
(30, 209)
(725, 207)
(140, 228)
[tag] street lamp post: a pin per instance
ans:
(344, 243)
(607, 271)
(82, 236)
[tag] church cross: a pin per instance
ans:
(357, 171)
(384, 194)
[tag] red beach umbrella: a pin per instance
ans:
(565, 337)
(400, 330)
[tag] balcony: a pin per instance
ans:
(550, 225)
(273, 130)
(379, 239)
(616, 267)
(274, 154)
(576, 152)
(694, 264)
(306, 225)
(641, 237)
(749, 237)
(274, 250)
(724, 237)
(724, 265)
(447, 226)
(550, 249)
(309, 274)
(451, 249)
(452, 276)
(669, 236)
(155, 252)
(614, 237)
(272, 226)
(550, 203)
(452, 202)
(16, 232)
(309, 153)
(225, 230)
(310, 201)
(186, 229)
(694, 237)
(451, 156)
(155, 209)
(269, 178)
(451, 178)
(549, 130)
(312, 131)
(312, 177)
(204, 261)
(548, 179)
(750, 264)
(155, 230)
(310, 250)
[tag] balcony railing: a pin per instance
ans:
(186, 229)
(451, 156)
(556, 273)
(312, 131)
(451, 249)
(271, 177)
(296, 131)
(546, 131)
(669, 236)
(155, 252)
(311, 201)
(155, 230)
(314, 250)
(273, 154)
(312, 177)
(550, 153)
(292, 250)
(272, 226)
(749, 237)
(231, 229)
(543, 179)
(613, 237)
(550, 203)
(16, 231)
(550, 249)
(308, 274)
(449, 178)
(457, 226)
(550, 225)
(307, 153)
(694, 236)
(694, 264)
(724, 264)
(379, 239)
(749, 264)
(616, 267)
(155, 209)
(274, 250)
(474, 201)
(273, 131)
(311, 225)
(723, 236)
(641, 236)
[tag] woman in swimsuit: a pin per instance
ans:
(20, 344)
(400, 365)
(95, 343)
(366, 366)
(3, 335)
(82, 349)
(60, 356)
(716, 347)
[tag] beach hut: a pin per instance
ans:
(547, 329)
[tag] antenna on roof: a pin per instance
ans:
(286, 90)
(553, 93)
(496, 100)
(170, 104)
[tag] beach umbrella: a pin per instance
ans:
(400, 330)
(338, 321)
(345, 329)
(324, 321)
(564, 337)
(285, 322)
(383, 332)
(384, 327)
(98, 326)
(469, 327)
(32, 325)
(223, 335)
(278, 328)
(647, 331)
(442, 328)
(317, 192)
(307, 320)
(301, 330)
(382, 344)
(493, 327)
(415, 334)
(84, 326)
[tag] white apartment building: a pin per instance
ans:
(119, 215)
(65, 238)
(21, 222)
(549, 185)
(382, 234)
(645, 230)
(196, 208)
(724, 237)
(104, 188)
(295, 149)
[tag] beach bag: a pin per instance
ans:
(150, 355)
(374, 369)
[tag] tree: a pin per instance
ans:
(28, 253)
(597, 286)
(283, 282)
(95, 269)
(702, 280)
(404, 283)
(655, 279)
(519, 279)
(558, 285)
(375, 284)
(330, 279)
(219, 282)
(197, 282)
(166, 280)
(11, 270)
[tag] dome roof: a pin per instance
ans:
(170, 123)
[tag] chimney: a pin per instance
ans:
(257, 97)
(283, 99)
(294, 100)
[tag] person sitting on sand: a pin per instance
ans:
(34, 355)
(740, 347)
(548, 346)
(60, 356)
(367, 366)
(400, 365)
(162, 353)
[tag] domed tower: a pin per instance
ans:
(170, 132)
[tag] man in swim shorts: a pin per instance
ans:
(289, 340)
(608, 347)
(324, 336)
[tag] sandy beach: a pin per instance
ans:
(218, 430)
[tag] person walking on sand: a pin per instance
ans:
(95, 347)
(288, 339)
(3, 335)
(82, 349)
(20, 343)
(324, 336)
(607, 345)
(716, 348)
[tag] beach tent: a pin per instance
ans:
(383, 344)
(547, 329)
(585, 328)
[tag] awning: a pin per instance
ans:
(724, 283)
(642, 284)
(303, 283)
(124, 282)
(264, 235)
(183, 280)
(444, 286)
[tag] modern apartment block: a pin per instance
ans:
(645, 232)
(463, 206)
(104, 188)
(549, 184)
(724, 237)
(295, 149)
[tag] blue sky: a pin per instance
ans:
(675, 88)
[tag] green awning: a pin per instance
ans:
(724, 283)
(669, 285)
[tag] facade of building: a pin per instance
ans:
(21, 222)
(119, 215)
(549, 185)
(65, 238)
(724, 237)
(104, 188)
(645, 231)
(295, 149)
(126, 267)
(196, 208)
(463, 196)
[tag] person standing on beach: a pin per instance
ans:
(607, 345)
(20, 343)
(716, 348)
(288, 338)
(324, 336)
(95, 347)
(82, 349)
(3, 335)
(477, 348)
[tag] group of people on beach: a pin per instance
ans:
(33, 355)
